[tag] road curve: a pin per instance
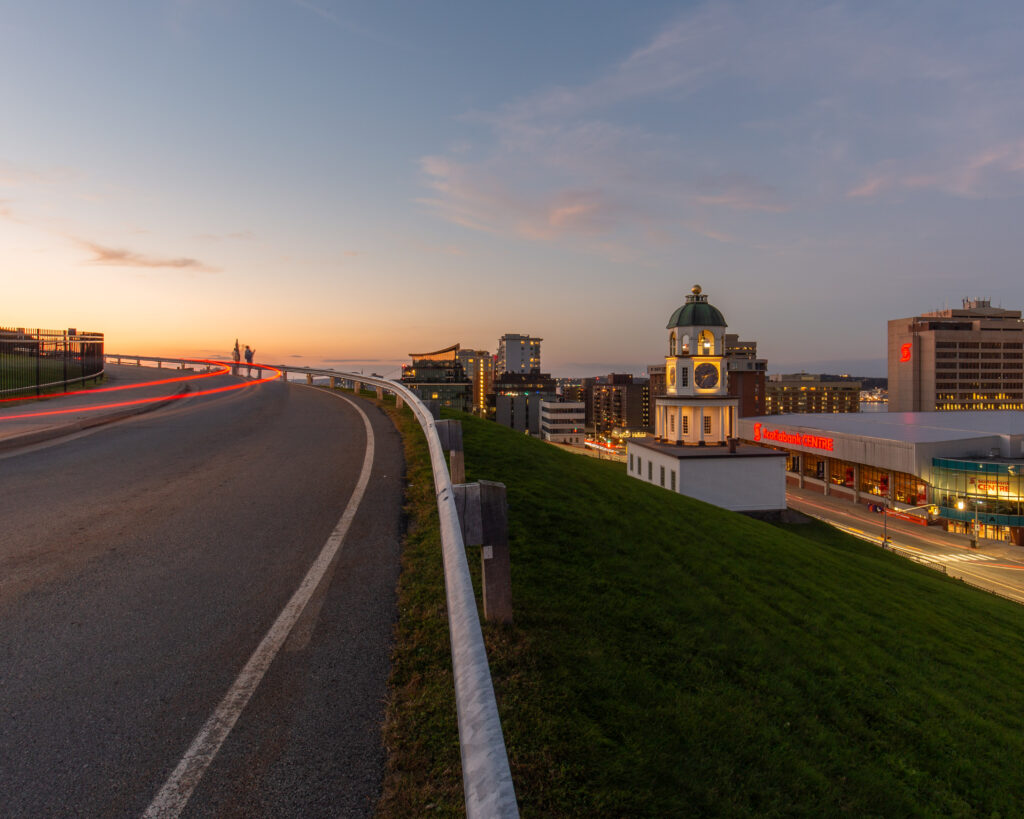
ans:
(142, 565)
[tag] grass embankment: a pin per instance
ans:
(23, 373)
(671, 658)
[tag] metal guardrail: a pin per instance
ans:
(486, 776)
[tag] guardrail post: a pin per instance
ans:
(399, 403)
(380, 393)
(309, 378)
(496, 577)
(159, 365)
(450, 433)
(434, 408)
(483, 516)
(334, 383)
(357, 387)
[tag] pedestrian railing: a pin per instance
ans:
(40, 361)
(486, 776)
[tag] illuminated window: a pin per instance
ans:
(686, 425)
(707, 424)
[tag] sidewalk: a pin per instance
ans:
(66, 414)
(872, 521)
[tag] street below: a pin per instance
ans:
(995, 566)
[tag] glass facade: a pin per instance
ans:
(990, 489)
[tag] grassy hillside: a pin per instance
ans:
(671, 658)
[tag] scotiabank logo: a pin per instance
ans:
(905, 352)
(793, 438)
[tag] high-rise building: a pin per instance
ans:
(479, 368)
(803, 393)
(619, 402)
(957, 359)
(518, 354)
(438, 376)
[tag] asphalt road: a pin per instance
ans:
(995, 566)
(142, 563)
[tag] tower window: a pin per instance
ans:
(686, 425)
(707, 424)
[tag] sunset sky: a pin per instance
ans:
(349, 182)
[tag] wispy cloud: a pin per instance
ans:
(995, 172)
(121, 257)
(734, 114)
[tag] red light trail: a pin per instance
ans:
(154, 399)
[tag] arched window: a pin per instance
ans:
(707, 343)
(672, 343)
(686, 345)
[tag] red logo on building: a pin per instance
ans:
(905, 352)
(793, 438)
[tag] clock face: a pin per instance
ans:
(705, 376)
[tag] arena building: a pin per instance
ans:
(969, 464)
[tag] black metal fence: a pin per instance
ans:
(39, 361)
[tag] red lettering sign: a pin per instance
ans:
(794, 438)
(905, 352)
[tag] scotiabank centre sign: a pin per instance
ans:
(778, 436)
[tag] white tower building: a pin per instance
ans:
(696, 408)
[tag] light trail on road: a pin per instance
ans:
(155, 399)
(194, 376)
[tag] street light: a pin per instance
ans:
(974, 532)
(931, 507)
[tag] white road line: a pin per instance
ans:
(178, 788)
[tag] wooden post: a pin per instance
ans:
(284, 376)
(496, 568)
(357, 387)
(334, 382)
(450, 433)
(483, 517)
(380, 393)
(309, 378)
(399, 403)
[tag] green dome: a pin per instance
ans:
(696, 313)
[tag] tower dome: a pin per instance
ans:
(696, 312)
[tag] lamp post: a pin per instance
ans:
(931, 507)
(960, 504)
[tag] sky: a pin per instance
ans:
(343, 183)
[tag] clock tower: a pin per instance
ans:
(696, 408)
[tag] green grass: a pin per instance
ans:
(21, 373)
(671, 658)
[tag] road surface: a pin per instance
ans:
(995, 566)
(141, 566)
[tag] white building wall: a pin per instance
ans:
(738, 483)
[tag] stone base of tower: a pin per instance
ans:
(749, 479)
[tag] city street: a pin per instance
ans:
(995, 565)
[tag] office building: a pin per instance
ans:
(517, 398)
(745, 375)
(439, 376)
(619, 403)
(479, 368)
(561, 422)
(518, 354)
(970, 358)
(803, 393)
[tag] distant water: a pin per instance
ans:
(873, 406)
